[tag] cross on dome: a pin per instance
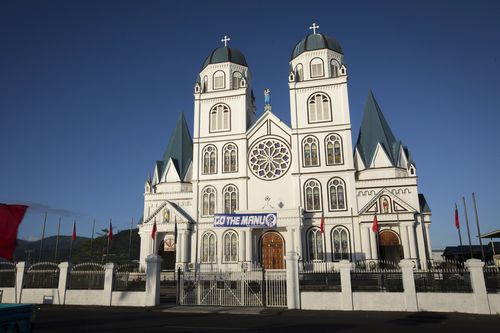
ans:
(314, 27)
(225, 40)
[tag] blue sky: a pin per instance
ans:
(90, 91)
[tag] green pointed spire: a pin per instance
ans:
(180, 147)
(374, 130)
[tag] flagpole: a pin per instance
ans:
(92, 239)
(43, 236)
(57, 239)
(459, 234)
(353, 241)
(468, 229)
(71, 243)
(477, 222)
(109, 233)
(130, 237)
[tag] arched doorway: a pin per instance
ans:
(390, 246)
(166, 250)
(272, 251)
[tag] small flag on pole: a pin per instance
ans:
(73, 235)
(375, 224)
(110, 231)
(153, 232)
(457, 222)
(322, 223)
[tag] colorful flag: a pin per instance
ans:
(153, 232)
(375, 224)
(457, 222)
(73, 236)
(110, 231)
(10, 218)
(322, 224)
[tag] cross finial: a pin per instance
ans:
(225, 40)
(314, 27)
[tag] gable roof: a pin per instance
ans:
(374, 130)
(179, 148)
(424, 206)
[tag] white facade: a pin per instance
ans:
(242, 163)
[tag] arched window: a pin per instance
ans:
(230, 246)
(333, 144)
(209, 159)
(208, 201)
(237, 76)
(319, 108)
(336, 192)
(316, 67)
(385, 204)
(219, 80)
(299, 72)
(204, 87)
(334, 68)
(340, 244)
(219, 118)
(230, 194)
(208, 247)
(313, 195)
(230, 156)
(310, 151)
(315, 244)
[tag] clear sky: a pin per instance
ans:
(90, 91)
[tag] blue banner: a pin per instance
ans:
(263, 220)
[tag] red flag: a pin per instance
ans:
(322, 224)
(10, 218)
(457, 222)
(153, 233)
(110, 231)
(73, 236)
(375, 224)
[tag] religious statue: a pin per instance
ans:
(267, 96)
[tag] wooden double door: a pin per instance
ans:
(272, 251)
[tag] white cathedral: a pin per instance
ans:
(321, 195)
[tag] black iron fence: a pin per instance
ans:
(492, 277)
(128, 277)
(86, 276)
(376, 276)
(42, 275)
(443, 277)
(319, 276)
(7, 274)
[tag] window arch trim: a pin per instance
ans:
(211, 255)
(318, 235)
(219, 109)
(320, 199)
(342, 183)
(343, 255)
(339, 139)
(318, 158)
(211, 167)
(218, 87)
(322, 95)
(236, 193)
(233, 253)
(317, 61)
(211, 206)
(235, 150)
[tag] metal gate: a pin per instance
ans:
(240, 288)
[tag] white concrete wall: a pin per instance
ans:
(86, 297)
(373, 301)
(8, 295)
(446, 302)
(494, 301)
(40, 296)
(128, 298)
(315, 300)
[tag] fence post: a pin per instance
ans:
(407, 266)
(153, 270)
(20, 270)
(292, 280)
(475, 267)
(64, 267)
(109, 269)
(345, 282)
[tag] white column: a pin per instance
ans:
(64, 267)
(292, 280)
(413, 245)
(241, 245)
(153, 270)
(346, 288)
(20, 270)
(409, 284)
(475, 267)
(185, 246)
(373, 244)
(179, 247)
(428, 239)
(405, 242)
(109, 269)
(365, 241)
(248, 246)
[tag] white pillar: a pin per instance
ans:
(20, 270)
(241, 245)
(153, 271)
(346, 288)
(409, 284)
(428, 239)
(475, 267)
(373, 244)
(413, 245)
(248, 246)
(184, 245)
(64, 268)
(109, 269)
(292, 280)
(365, 241)
(405, 242)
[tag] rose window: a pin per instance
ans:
(269, 159)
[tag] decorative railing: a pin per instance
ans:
(492, 277)
(128, 277)
(443, 277)
(88, 275)
(319, 276)
(7, 274)
(376, 276)
(42, 275)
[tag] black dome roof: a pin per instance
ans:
(225, 54)
(316, 42)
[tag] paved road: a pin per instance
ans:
(74, 319)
